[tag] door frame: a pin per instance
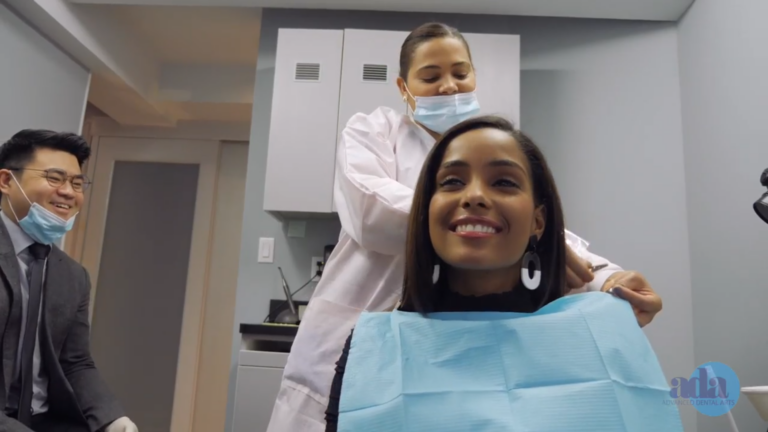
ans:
(214, 134)
(206, 155)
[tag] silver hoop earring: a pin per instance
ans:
(436, 273)
(530, 271)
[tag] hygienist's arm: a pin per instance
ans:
(372, 206)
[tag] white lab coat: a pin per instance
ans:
(379, 158)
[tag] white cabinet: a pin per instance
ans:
(369, 72)
(258, 381)
(302, 132)
(358, 70)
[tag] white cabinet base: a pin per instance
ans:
(258, 381)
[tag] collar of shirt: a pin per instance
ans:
(21, 241)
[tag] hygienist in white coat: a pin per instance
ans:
(379, 159)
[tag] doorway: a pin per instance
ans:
(157, 210)
(138, 312)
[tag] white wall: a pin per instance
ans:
(600, 97)
(40, 86)
(723, 63)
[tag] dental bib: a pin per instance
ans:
(579, 364)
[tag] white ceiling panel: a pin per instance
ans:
(657, 10)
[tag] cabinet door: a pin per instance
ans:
(304, 117)
(257, 389)
(369, 73)
(497, 64)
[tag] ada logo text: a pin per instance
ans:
(713, 389)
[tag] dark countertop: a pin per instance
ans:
(266, 329)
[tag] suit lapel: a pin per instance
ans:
(9, 266)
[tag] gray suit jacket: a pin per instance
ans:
(76, 392)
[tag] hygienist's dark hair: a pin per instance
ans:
(420, 294)
(422, 34)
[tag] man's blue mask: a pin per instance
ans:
(40, 224)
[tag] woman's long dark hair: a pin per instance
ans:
(420, 294)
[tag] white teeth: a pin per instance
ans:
(62, 206)
(475, 228)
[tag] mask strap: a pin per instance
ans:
(21, 189)
(9, 198)
(408, 109)
(407, 90)
(12, 210)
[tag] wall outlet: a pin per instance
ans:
(316, 264)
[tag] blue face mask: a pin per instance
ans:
(40, 224)
(440, 113)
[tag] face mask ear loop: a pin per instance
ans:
(21, 189)
(408, 109)
(22, 192)
(12, 210)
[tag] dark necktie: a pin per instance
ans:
(39, 253)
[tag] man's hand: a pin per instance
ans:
(123, 424)
(577, 270)
(632, 287)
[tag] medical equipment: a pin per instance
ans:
(595, 268)
(290, 315)
(761, 205)
(731, 421)
(759, 398)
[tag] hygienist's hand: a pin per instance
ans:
(632, 287)
(577, 270)
(123, 424)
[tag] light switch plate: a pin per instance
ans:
(266, 250)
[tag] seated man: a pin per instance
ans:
(49, 381)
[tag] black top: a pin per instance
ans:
(517, 300)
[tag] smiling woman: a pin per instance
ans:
(489, 342)
(486, 197)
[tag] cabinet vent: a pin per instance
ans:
(374, 73)
(307, 72)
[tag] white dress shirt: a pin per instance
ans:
(21, 241)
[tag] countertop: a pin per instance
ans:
(267, 329)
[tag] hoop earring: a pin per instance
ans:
(530, 271)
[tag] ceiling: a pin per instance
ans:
(660, 10)
(192, 35)
(158, 62)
